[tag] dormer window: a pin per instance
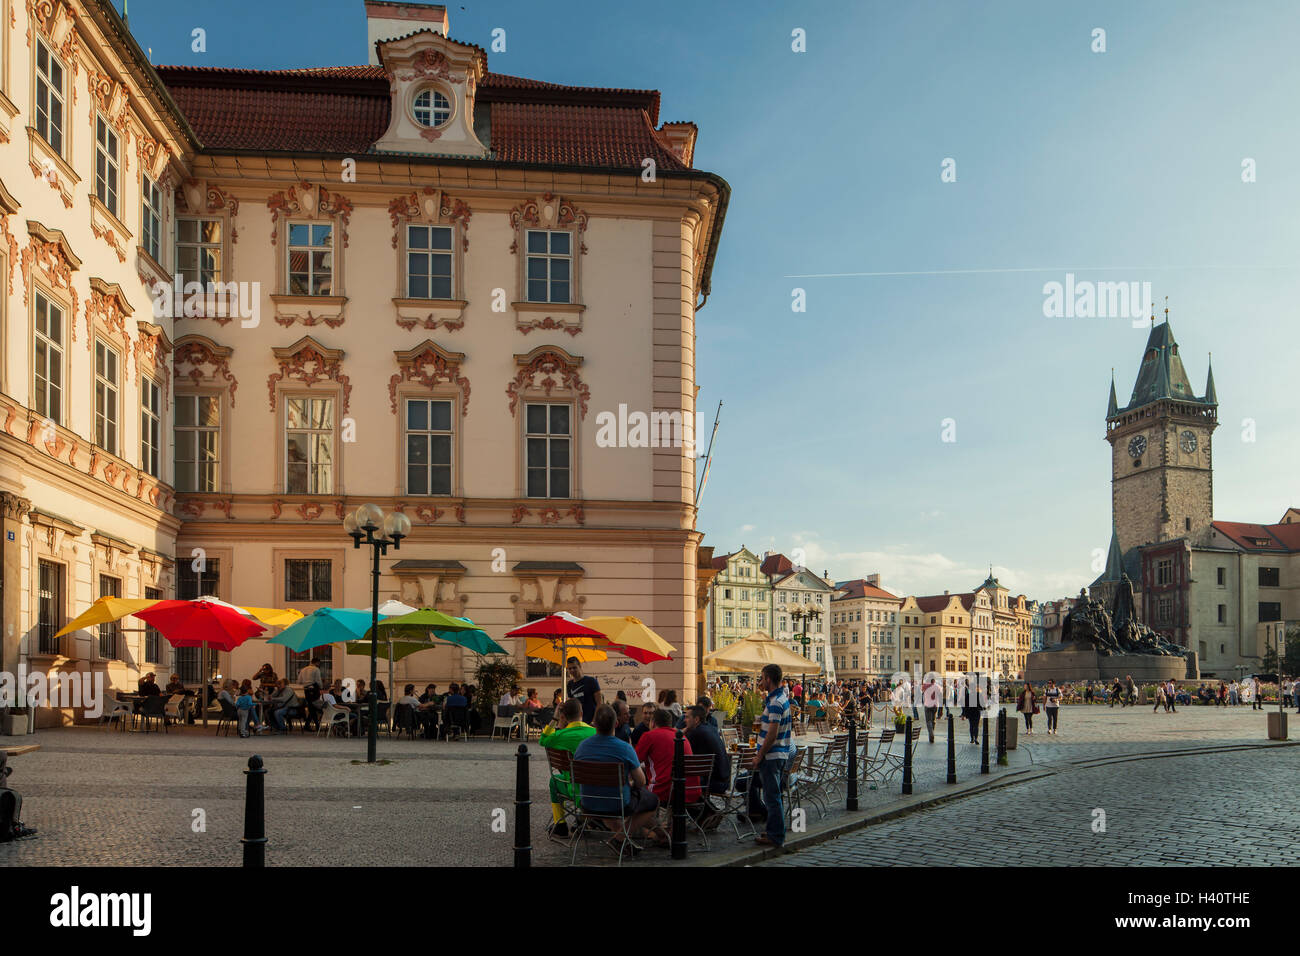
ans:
(432, 109)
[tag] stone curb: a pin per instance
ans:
(747, 856)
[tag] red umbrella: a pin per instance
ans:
(554, 632)
(199, 623)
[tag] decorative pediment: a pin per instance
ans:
(152, 346)
(546, 587)
(199, 197)
(432, 206)
(548, 211)
(426, 60)
(49, 253)
(307, 201)
(56, 21)
(8, 204)
(205, 362)
(546, 369)
(309, 362)
(108, 307)
(428, 364)
(111, 97)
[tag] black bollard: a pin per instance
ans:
(852, 802)
(254, 838)
(1002, 736)
(984, 748)
(907, 758)
(952, 752)
(523, 807)
(679, 798)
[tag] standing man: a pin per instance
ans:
(1130, 689)
(585, 690)
(772, 761)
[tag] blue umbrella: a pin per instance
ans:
(326, 625)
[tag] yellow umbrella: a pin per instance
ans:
(631, 637)
(106, 609)
(584, 649)
(274, 616)
(751, 655)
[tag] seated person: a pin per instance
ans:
(637, 801)
(280, 703)
(532, 702)
(704, 738)
(647, 721)
(148, 685)
(175, 685)
(11, 806)
(510, 698)
(655, 750)
(565, 733)
(266, 676)
(454, 701)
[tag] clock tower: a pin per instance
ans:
(1161, 470)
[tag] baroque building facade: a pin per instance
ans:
(239, 303)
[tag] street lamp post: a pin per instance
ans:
(362, 526)
(805, 616)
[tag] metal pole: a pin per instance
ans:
(523, 805)
(952, 752)
(1002, 736)
(984, 748)
(852, 802)
(907, 758)
(254, 838)
(372, 742)
(679, 797)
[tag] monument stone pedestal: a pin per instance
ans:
(1080, 662)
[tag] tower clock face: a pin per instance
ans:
(1137, 445)
(1187, 441)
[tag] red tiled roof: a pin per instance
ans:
(776, 564)
(720, 562)
(1279, 537)
(933, 602)
(858, 588)
(345, 109)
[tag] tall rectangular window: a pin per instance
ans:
(106, 397)
(152, 637)
(110, 632)
(48, 359)
(1270, 610)
(49, 606)
(198, 250)
(106, 164)
(198, 423)
(550, 266)
(547, 447)
(196, 578)
(151, 218)
(1221, 574)
(311, 258)
(428, 447)
(1270, 577)
(429, 262)
(150, 428)
(1164, 571)
(49, 97)
(309, 446)
(307, 580)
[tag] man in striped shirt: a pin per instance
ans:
(772, 761)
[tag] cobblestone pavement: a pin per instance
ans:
(1219, 809)
(104, 797)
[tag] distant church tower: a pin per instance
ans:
(1161, 475)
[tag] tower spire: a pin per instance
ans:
(1113, 408)
(1211, 396)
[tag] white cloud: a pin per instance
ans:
(746, 528)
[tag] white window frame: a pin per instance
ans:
(55, 358)
(548, 257)
(200, 245)
(108, 159)
(432, 109)
(151, 217)
(428, 252)
(549, 438)
(314, 485)
(46, 91)
(151, 427)
(107, 428)
(310, 250)
(430, 433)
(200, 465)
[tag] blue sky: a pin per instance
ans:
(1117, 166)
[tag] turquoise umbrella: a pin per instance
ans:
(326, 625)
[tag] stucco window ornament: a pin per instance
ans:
(549, 235)
(202, 361)
(551, 371)
(107, 310)
(308, 362)
(429, 365)
(306, 201)
(56, 21)
(49, 257)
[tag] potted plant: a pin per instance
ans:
(751, 705)
(900, 720)
(725, 703)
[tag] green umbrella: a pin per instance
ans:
(326, 625)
